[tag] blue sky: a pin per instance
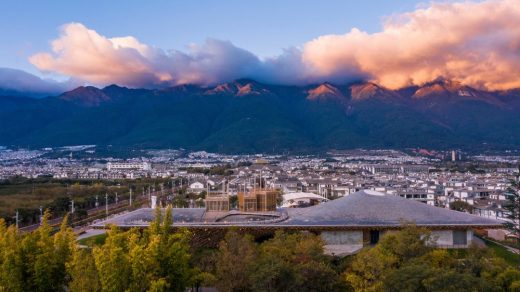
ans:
(261, 27)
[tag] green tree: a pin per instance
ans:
(82, 271)
(293, 262)
(155, 225)
(11, 261)
(64, 243)
(112, 262)
(509, 279)
(408, 278)
(461, 206)
(159, 285)
(371, 266)
(234, 261)
(513, 209)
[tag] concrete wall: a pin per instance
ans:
(444, 238)
(469, 235)
(342, 237)
(497, 234)
(349, 242)
(342, 243)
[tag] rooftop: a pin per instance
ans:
(370, 208)
(361, 209)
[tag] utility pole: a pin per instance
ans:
(72, 207)
(106, 203)
(130, 196)
(117, 199)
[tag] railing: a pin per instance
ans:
(451, 246)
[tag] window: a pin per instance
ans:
(459, 237)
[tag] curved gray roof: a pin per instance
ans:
(369, 208)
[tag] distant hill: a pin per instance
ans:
(245, 116)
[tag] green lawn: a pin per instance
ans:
(511, 258)
(93, 240)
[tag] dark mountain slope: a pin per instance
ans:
(247, 116)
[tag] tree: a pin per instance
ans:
(371, 266)
(461, 206)
(453, 280)
(64, 243)
(509, 279)
(82, 271)
(404, 261)
(234, 262)
(11, 261)
(513, 209)
(168, 221)
(155, 226)
(159, 285)
(408, 278)
(112, 262)
(293, 262)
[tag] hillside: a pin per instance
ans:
(245, 116)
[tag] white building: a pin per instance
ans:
(112, 166)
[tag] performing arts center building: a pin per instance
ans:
(346, 224)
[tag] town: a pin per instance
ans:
(476, 184)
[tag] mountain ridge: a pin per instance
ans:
(248, 116)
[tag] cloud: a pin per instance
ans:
(477, 43)
(18, 82)
(89, 56)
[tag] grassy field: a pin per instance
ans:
(93, 240)
(27, 195)
(500, 251)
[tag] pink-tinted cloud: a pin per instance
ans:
(476, 43)
(84, 54)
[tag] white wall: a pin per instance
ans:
(343, 237)
(444, 238)
(342, 243)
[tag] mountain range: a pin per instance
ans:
(245, 116)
